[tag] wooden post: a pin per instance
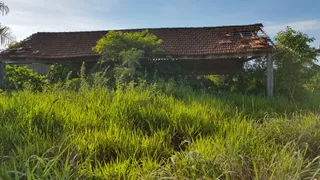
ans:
(2, 74)
(270, 76)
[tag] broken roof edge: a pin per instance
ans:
(37, 42)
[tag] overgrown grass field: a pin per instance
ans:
(156, 132)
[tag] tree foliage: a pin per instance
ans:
(4, 9)
(126, 49)
(294, 60)
(295, 67)
(116, 43)
(5, 32)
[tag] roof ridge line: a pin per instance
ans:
(135, 29)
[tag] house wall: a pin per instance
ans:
(43, 68)
(2, 74)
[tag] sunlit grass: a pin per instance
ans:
(156, 132)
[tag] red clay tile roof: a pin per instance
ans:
(176, 41)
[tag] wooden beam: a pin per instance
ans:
(157, 57)
(2, 74)
(270, 76)
(270, 40)
(49, 61)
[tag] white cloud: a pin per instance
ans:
(304, 26)
(31, 16)
(316, 43)
(311, 27)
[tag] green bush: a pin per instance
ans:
(19, 77)
(61, 72)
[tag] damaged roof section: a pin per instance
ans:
(198, 41)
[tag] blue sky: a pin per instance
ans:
(30, 16)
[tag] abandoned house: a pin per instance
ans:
(202, 50)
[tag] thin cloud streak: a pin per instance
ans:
(28, 17)
(304, 26)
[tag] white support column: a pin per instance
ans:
(270, 76)
(2, 74)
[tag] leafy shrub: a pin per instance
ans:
(73, 84)
(61, 72)
(126, 51)
(19, 77)
(252, 81)
(14, 45)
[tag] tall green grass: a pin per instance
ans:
(156, 132)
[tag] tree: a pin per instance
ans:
(294, 61)
(5, 32)
(126, 49)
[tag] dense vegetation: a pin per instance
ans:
(122, 122)
(156, 131)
